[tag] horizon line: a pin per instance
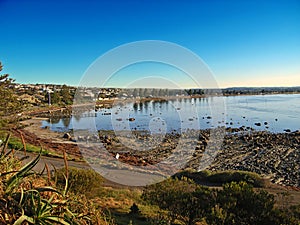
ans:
(297, 86)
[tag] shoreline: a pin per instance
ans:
(273, 155)
(240, 121)
(56, 108)
(168, 98)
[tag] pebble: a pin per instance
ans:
(274, 155)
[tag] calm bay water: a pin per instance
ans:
(275, 113)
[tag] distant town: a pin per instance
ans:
(38, 94)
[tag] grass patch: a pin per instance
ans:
(16, 144)
(127, 196)
(119, 202)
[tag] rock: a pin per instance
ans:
(80, 138)
(257, 124)
(287, 130)
(67, 136)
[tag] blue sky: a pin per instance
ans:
(244, 43)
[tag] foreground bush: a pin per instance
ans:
(29, 198)
(242, 205)
(236, 203)
(185, 200)
(80, 181)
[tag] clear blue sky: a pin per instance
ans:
(245, 43)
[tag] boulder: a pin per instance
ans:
(67, 136)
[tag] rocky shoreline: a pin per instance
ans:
(276, 156)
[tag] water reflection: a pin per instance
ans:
(135, 106)
(54, 120)
(275, 113)
(66, 121)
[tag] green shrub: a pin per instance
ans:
(186, 201)
(286, 216)
(223, 177)
(80, 181)
(236, 203)
(245, 206)
(236, 176)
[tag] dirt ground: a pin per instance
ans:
(34, 134)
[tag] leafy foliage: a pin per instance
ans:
(185, 200)
(67, 97)
(223, 177)
(28, 198)
(79, 181)
(245, 206)
(9, 104)
(236, 176)
(235, 203)
(62, 97)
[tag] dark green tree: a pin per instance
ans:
(135, 92)
(161, 93)
(10, 106)
(189, 91)
(55, 98)
(66, 96)
(146, 92)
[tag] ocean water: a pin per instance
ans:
(274, 113)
